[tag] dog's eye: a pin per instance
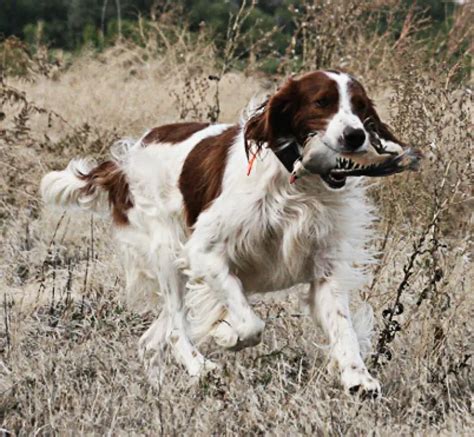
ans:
(323, 102)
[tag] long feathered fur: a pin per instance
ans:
(64, 188)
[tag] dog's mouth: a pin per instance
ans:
(346, 167)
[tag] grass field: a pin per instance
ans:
(68, 343)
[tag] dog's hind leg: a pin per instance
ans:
(170, 330)
(152, 345)
(181, 344)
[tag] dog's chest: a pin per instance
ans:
(288, 240)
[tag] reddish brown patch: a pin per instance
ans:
(299, 107)
(200, 181)
(109, 177)
(173, 133)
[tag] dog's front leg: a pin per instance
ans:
(330, 306)
(236, 325)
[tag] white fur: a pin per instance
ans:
(344, 116)
(259, 235)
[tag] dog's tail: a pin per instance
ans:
(84, 185)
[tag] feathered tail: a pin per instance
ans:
(97, 188)
(68, 187)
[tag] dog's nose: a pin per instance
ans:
(353, 138)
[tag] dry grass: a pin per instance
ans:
(68, 357)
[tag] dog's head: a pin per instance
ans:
(332, 122)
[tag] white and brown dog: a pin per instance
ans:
(204, 229)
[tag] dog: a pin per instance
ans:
(207, 214)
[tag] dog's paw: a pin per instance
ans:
(224, 335)
(227, 337)
(201, 368)
(249, 330)
(357, 381)
(236, 335)
(249, 342)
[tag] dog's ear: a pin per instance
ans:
(273, 122)
(280, 112)
(376, 126)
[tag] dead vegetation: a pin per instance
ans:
(68, 361)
